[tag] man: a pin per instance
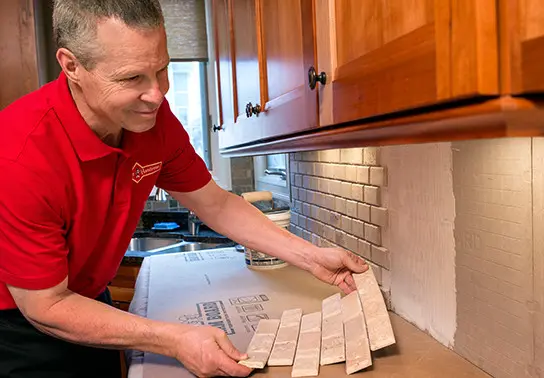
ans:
(78, 159)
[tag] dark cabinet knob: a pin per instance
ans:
(217, 128)
(314, 78)
(250, 109)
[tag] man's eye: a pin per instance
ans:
(132, 78)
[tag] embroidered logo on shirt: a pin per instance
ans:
(139, 171)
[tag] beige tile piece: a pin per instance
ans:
(358, 354)
(311, 322)
(351, 306)
(283, 351)
(261, 344)
(380, 332)
(332, 340)
(305, 367)
(331, 306)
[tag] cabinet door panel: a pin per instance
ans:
(223, 62)
(288, 51)
(246, 59)
(522, 44)
(391, 55)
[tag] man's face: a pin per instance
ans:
(127, 84)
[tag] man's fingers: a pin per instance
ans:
(230, 368)
(229, 349)
(354, 262)
(350, 281)
(345, 288)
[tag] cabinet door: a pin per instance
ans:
(287, 53)
(385, 56)
(18, 50)
(522, 46)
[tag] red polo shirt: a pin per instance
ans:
(69, 203)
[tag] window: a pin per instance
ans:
(188, 100)
(271, 174)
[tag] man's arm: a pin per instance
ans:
(234, 217)
(64, 314)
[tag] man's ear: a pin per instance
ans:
(69, 64)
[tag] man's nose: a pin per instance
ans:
(154, 94)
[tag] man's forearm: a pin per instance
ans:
(242, 222)
(85, 321)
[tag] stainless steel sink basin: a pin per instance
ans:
(192, 246)
(151, 244)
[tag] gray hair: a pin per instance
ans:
(75, 22)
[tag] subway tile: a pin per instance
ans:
(318, 169)
(310, 196)
(340, 205)
(294, 192)
(351, 208)
(294, 218)
(351, 243)
(293, 166)
(357, 192)
(363, 175)
(313, 183)
(310, 155)
(351, 155)
(371, 156)
(340, 238)
(363, 249)
(310, 224)
(345, 224)
(335, 187)
(297, 205)
(378, 176)
(302, 221)
(378, 216)
(323, 185)
(373, 234)
(329, 233)
(377, 270)
(380, 256)
(315, 240)
(345, 190)
(306, 209)
(363, 212)
(335, 219)
(319, 227)
(306, 182)
(307, 236)
(329, 156)
(328, 170)
(358, 228)
(351, 173)
(313, 210)
(371, 195)
(339, 172)
(330, 202)
(298, 180)
(302, 194)
(297, 156)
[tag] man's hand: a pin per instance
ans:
(208, 352)
(335, 266)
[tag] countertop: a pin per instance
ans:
(416, 354)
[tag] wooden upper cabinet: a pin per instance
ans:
(384, 56)
(266, 48)
(522, 46)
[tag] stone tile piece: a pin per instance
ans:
(308, 351)
(261, 343)
(358, 354)
(331, 306)
(351, 306)
(380, 332)
(311, 322)
(283, 351)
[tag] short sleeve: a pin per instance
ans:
(33, 248)
(183, 170)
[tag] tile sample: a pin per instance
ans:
(380, 332)
(356, 339)
(332, 331)
(283, 351)
(261, 344)
(309, 347)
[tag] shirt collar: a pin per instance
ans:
(86, 143)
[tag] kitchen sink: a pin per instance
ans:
(151, 244)
(192, 246)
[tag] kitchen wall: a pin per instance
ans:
(460, 228)
(242, 175)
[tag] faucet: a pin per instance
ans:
(193, 223)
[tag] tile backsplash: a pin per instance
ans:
(337, 201)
